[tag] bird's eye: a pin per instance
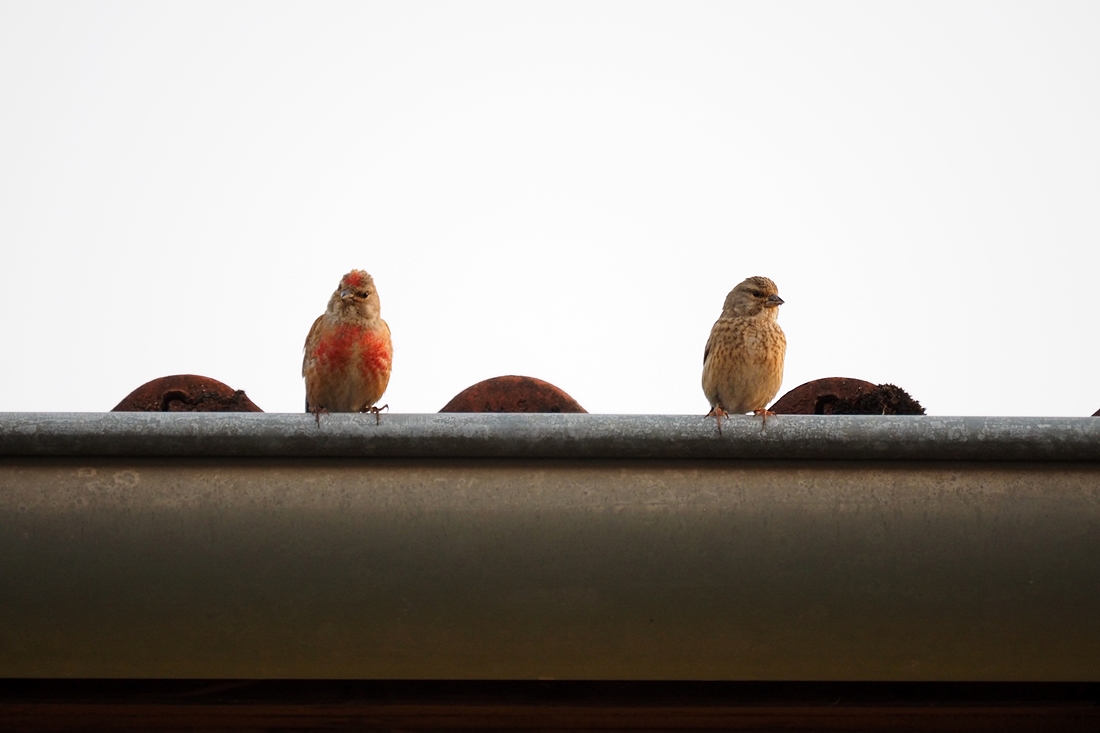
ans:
(757, 294)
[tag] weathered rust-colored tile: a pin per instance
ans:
(186, 393)
(846, 396)
(512, 394)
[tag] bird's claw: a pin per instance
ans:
(377, 412)
(718, 414)
(763, 413)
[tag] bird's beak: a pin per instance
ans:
(773, 301)
(346, 293)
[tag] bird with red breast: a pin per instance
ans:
(348, 352)
(743, 358)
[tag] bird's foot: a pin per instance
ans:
(718, 414)
(763, 414)
(317, 414)
(377, 411)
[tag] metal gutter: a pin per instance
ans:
(586, 547)
(800, 437)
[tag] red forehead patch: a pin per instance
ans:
(354, 279)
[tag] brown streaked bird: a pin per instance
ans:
(348, 352)
(743, 359)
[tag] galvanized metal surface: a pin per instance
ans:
(396, 568)
(832, 437)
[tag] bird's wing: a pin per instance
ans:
(310, 338)
(710, 342)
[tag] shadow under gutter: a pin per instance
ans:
(523, 547)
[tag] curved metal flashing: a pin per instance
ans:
(796, 437)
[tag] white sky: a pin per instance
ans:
(562, 190)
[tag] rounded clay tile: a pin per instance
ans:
(512, 394)
(186, 393)
(846, 396)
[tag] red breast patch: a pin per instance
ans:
(377, 353)
(337, 349)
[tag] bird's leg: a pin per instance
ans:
(317, 414)
(717, 413)
(377, 412)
